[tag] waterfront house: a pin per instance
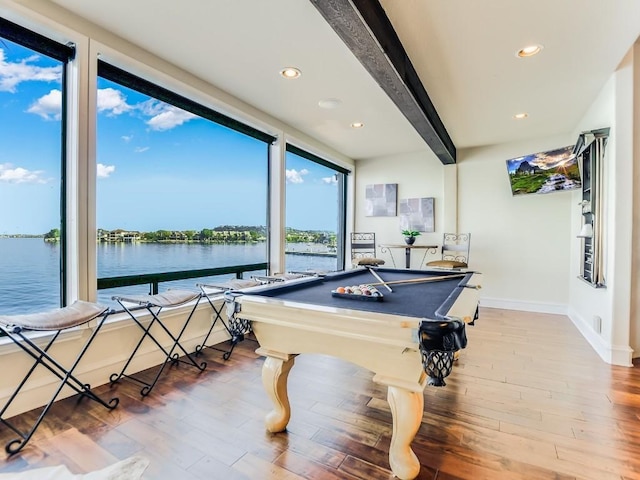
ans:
(119, 235)
(373, 123)
(178, 236)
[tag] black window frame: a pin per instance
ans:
(341, 234)
(115, 74)
(122, 77)
(64, 53)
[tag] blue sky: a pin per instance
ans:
(158, 167)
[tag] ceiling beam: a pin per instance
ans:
(367, 31)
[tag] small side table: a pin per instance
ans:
(407, 251)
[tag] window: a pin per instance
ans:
(180, 187)
(315, 212)
(32, 166)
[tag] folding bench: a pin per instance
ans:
(18, 329)
(154, 304)
(236, 328)
(283, 277)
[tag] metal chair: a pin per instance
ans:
(154, 304)
(363, 250)
(18, 328)
(455, 251)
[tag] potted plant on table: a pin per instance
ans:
(410, 236)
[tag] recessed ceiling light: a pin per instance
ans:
(357, 125)
(329, 103)
(520, 116)
(290, 73)
(529, 51)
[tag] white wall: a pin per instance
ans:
(418, 175)
(635, 254)
(613, 108)
(520, 243)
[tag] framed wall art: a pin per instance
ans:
(381, 200)
(417, 214)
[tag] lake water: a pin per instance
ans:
(29, 267)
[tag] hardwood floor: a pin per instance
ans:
(528, 399)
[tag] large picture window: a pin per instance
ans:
(315, 221)
(32, 166)
(180, 187)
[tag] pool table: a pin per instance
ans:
(407, 337)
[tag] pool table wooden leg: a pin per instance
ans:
(275, 373)
(406, 408)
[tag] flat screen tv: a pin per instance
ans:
(544, 172)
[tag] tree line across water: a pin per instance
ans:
(223, 234)
(228, 233)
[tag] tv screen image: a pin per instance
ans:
(544, 172)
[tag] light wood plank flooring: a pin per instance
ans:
(528, 399)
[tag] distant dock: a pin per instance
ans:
(309, 249)
(310, 254)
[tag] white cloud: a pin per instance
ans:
(163, 116)
(112, 101)
(140, 149)
(12, 74)
(48, 106)
(127, 138)
(10, 174)
(294, 176)
(104, 171)
(166, 117)
(332, 180)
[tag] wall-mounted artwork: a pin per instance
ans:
(382, 200)
(417, 214)
(544, 172)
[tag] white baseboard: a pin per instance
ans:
(610, 353)
(519, 305)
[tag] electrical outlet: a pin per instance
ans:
(597, 323)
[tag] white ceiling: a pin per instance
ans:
(463, 51)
